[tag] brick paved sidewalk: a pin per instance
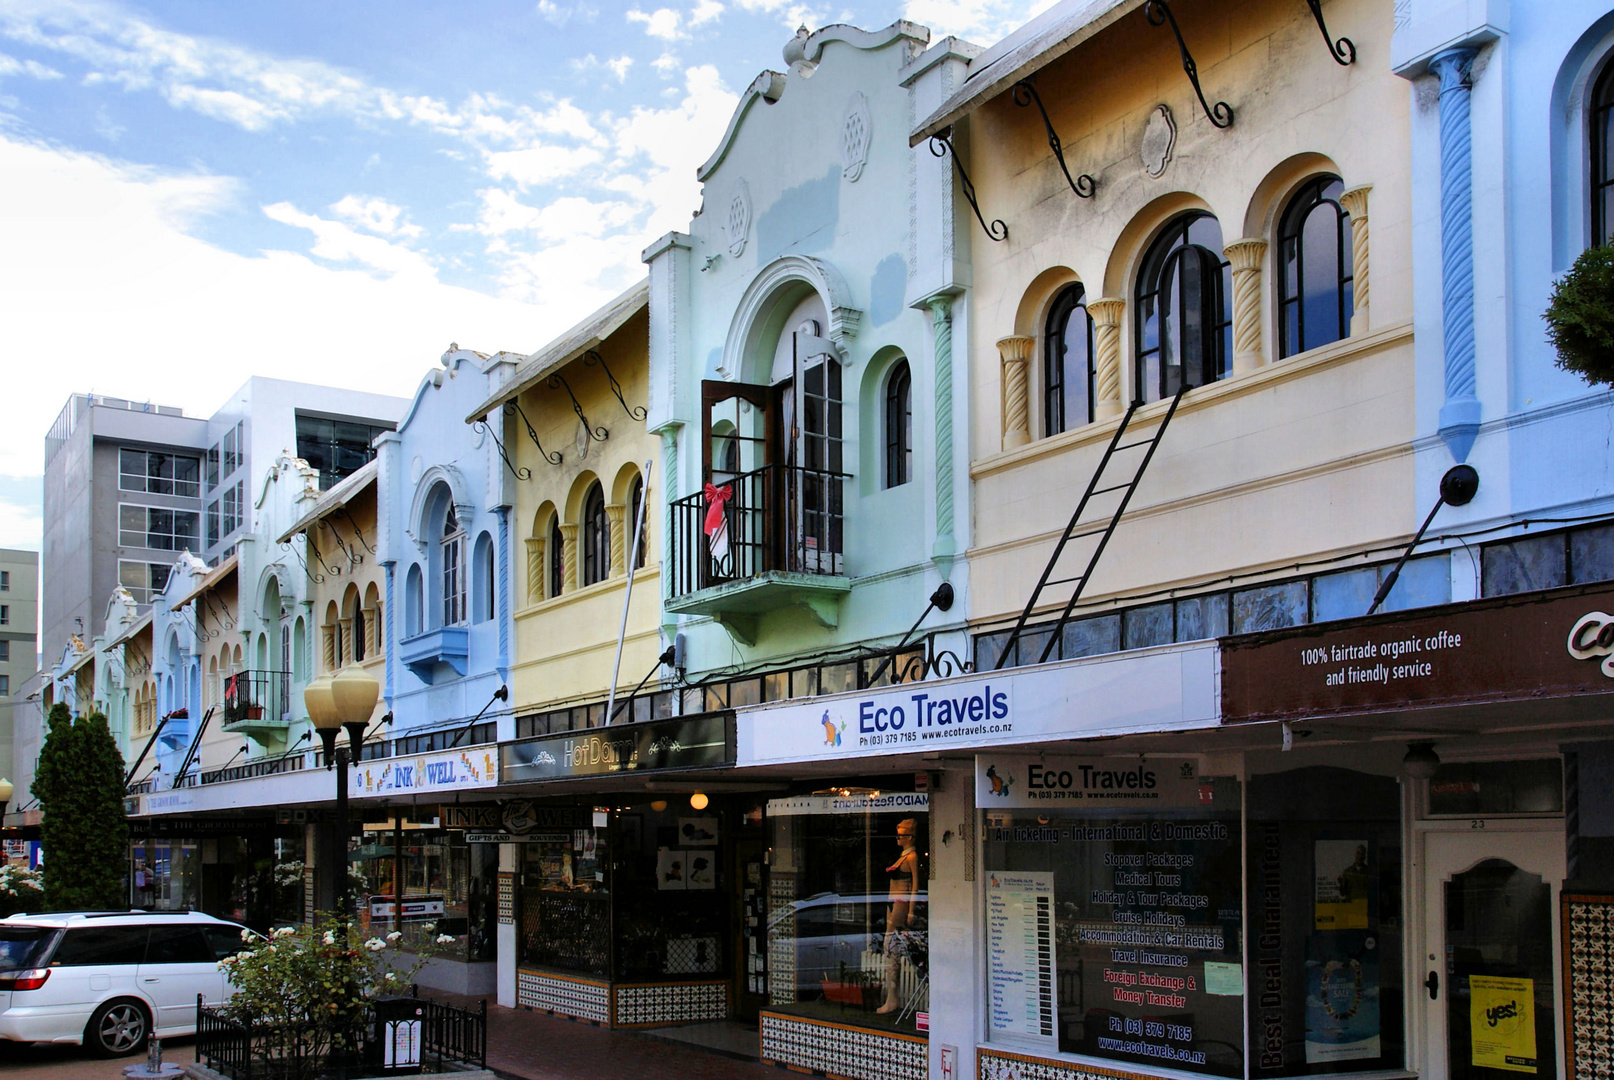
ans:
(535, 1046)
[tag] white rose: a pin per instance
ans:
(395, 935)
(375, 944)
(330, 938)
(445, 939)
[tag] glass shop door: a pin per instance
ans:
(1490, 979)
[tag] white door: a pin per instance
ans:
(1490, 973)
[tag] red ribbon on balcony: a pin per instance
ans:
(716, 525)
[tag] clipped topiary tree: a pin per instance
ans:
(1580, 318)
(79, 785)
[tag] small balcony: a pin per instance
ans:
(442, 645)
(781, 546)
(257, 703)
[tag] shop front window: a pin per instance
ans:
(449, 889)
(671, 922)
(1116, 931)
(848, 911)
(565, 894)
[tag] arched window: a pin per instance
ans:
(482, 573)
(1067, 350)
(453, 569)
(899, 426)
(1602, 155)
(557, 559)
(635, 497)
(1184, 305)
(596, 537)
(1314, 268)
(359, 640)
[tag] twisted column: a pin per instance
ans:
(619, 548)
(1460, 415)
(568, 552)
(1245, 257)
(535, 569)
(1354, 202)
(941, 321)
(1107, 314)
(1016, 352)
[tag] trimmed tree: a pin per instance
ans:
(79, 784)
(1580, 318)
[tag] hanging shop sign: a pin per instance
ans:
(518, 821)
(1550, 644)
(690, 742)
(446, 770)
(1166, 689)
(1005, 781)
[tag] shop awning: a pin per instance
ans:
(209, 580)
(586, 335)
(1025, 52)
(337, 497)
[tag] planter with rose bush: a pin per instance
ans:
(304, 1007)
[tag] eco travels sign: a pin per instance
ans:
(1166, 689)
(1549, 644)
(691, 742)
(1005, 780)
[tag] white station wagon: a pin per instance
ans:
(107, 980)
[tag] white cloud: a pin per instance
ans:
(982, 21)
(102, 289)
(666, 65)
(661, 23)
(619, 67)
(340, 243)
(21, 526)
(540, 164)
(377, 215)
(705, 11)
(10, 65)
(554, 13)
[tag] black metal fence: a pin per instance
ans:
(241, 1051)
(778, 517)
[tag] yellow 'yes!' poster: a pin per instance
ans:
(1502, 1020)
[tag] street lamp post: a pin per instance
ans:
(343, 700)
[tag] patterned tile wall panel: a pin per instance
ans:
(1588, 931)
(507, 898)
(781, 962)
(585, 1001)
(840, 1051)
(308, 896)
(1001, 1065)
(679, 1004)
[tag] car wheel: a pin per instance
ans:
(117, 1028)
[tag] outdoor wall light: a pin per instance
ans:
(698, 801)
(658, 805)
(1421, 760)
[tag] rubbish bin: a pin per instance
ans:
(400, 1023)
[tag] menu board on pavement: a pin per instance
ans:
(1020, 955)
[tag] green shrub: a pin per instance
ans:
(79, 785)
(1580, 318)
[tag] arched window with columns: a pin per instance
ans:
(557, 558)
(453, 569)
(1315, 283)
(596, 537)
(1184, 305)
(1067, 363)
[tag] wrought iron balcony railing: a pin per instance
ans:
(776, 518)
(257, 699)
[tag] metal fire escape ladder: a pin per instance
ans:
(1078, 528)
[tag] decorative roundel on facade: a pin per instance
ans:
(1159, 139)
(855, 137)
(739, 220)
(417, 469)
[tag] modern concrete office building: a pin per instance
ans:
(130, 484)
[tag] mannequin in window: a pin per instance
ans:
(900, 913)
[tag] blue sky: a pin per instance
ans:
(192, 193)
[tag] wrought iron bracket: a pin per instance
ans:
(1159, 14)
(314, 575)
(513, 409)
(593, 357)
(352, 559)
(483, 428)
(358, 533)
(597, 434)
(1344, 50)
(1026, 94)
(942, 146)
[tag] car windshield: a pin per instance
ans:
(23, 947)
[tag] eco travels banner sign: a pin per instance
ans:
(1004, 781)
(1166, 689)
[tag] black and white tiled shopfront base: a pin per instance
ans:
(675, 1004)
(582, 1000)
(1001, 1065)
(840, 1051)
(1588, 928)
